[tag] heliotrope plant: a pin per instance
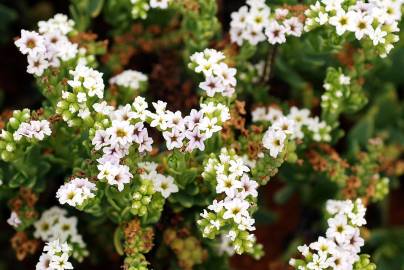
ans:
(187, 182)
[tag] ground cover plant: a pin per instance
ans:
(202, 134)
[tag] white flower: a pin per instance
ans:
(129, 78)
(275, 33)
(227, 75)
(248, 186)
(193, 119)
(31, 43)
(318, 262)
(14, 220)
(237, 167)
(206, 60)
(37, 64)
(209, 126)
(357, 215)
(344, 80)
(323, 245)
(174, 138)
(37, 129)
(361, 25)
(44, 262)
(258, 18)
(253, 35)
(239, 18)
(378, 36)
(212, 85)
(69, 194)
(120, 176)
(139, 107)
(165, 185)
(273, 140)
(259, 114)
(121, 132)
(163, 4)
(103, 108)
(55, 256)
(196, 140)
(61, 262)
(339, 207)
(341, 21)
(236, 209)
(227, 184)
(281, 12)
(89, 79)
(304, 249)
(175, 120)
(76, 191)
(339, 229)
(216, 206)
(293, 27)
(225, 246)
(332, 5)
(101, 138)
(237, 35)
(273, 114)
(59, 23)
(322, 18)
(286, 125)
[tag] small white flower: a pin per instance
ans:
(14, 220)
(344, 80)
(341, 21)
(31, 43)
(163, 4)
(165, 185)
(275, 33)
(37, 64)
(274, 141)
(236, 209)
(129, 78)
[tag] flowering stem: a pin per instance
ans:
(269, 62)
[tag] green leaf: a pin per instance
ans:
(94, 7)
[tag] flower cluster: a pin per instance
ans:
(21, 128)
(233, 213)
(129, 79)
(33, 129)
(141, 7)
(343, 94)
(297, 124)
(50, 45)
(192, 130)
(219, 77)
(161, 183)
(76, 192)
(375, 20)
(55, 225)
(152, 190)
(342, 244)
(335, 92)
(87, 88)
(255, 23)
(126, 128)
(55, 256)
